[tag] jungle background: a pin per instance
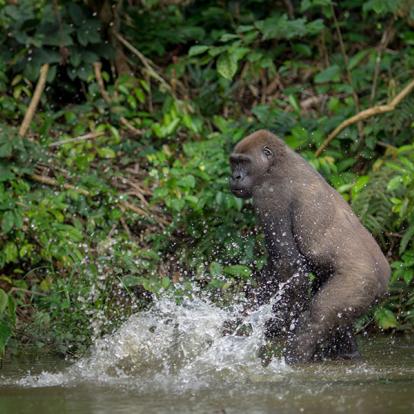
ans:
(116, 121)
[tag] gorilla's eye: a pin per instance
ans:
(267, 151)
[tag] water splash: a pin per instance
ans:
(175, 358)
(170, 346)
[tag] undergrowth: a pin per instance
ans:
(118, 192)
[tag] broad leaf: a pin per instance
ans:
(331, 74)
(197, 50)
(7, 222)
(226, 66)
(238, 271)
(4, 300)
(385, 318)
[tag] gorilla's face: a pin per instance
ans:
(250, 161)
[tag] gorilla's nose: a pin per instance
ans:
(237, 176)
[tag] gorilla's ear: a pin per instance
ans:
(267, 152)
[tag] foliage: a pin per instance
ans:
(38, 32)
(385, 201)
(133, 155)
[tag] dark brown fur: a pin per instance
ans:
(308, 228)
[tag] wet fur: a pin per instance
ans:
(309, 227)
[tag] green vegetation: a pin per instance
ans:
(118, 190)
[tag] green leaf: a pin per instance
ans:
(408, 236)
(302, 49)
(238, 202)
(5, 173)
(238, 53)
(192, 199)
(89, 32)
(52, 36)
(299, 137)
(279, 27)
(6, 150)
(394, 183)
(381, 6)
(131, 281)
(4, 300)
(46, 284)
(228, 36)
(356, 59)
(360, 184)
(385, 318)
(139, 93)
(76, 13)
(238, 271)
(226, 66)
(177, 204)
(216, 269)
(12, 310)
(197, 50)
(106, 152)
(331, 74)
(294, 103)
(307, 4)
(10, 252)
(5, 334)
(215, 51)
(187, 182)
(315, 27)
(26, 250)
(408, 276)
(245, 28)
(165, 282)
(7, 222)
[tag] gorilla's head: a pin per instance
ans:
(251, 162)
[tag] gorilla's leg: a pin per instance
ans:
(339, 302)
(341, 344)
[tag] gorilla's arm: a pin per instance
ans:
(284, 278)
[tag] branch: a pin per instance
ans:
(90, 135)
(145, 61)
(35, 100)
(133, 208)
(97, 66)
(307, 103)
(348, 72)
(29, 292)
(52, 182)
(128, 125)
(290, 9)
(123, 204)
(367, 113)
(387, 36)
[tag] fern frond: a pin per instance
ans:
(372, 204)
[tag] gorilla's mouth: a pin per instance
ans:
(237, 191)
(240, 192)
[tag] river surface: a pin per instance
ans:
(174, 359)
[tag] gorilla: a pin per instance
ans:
(324, 269)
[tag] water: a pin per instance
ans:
(174, 359)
